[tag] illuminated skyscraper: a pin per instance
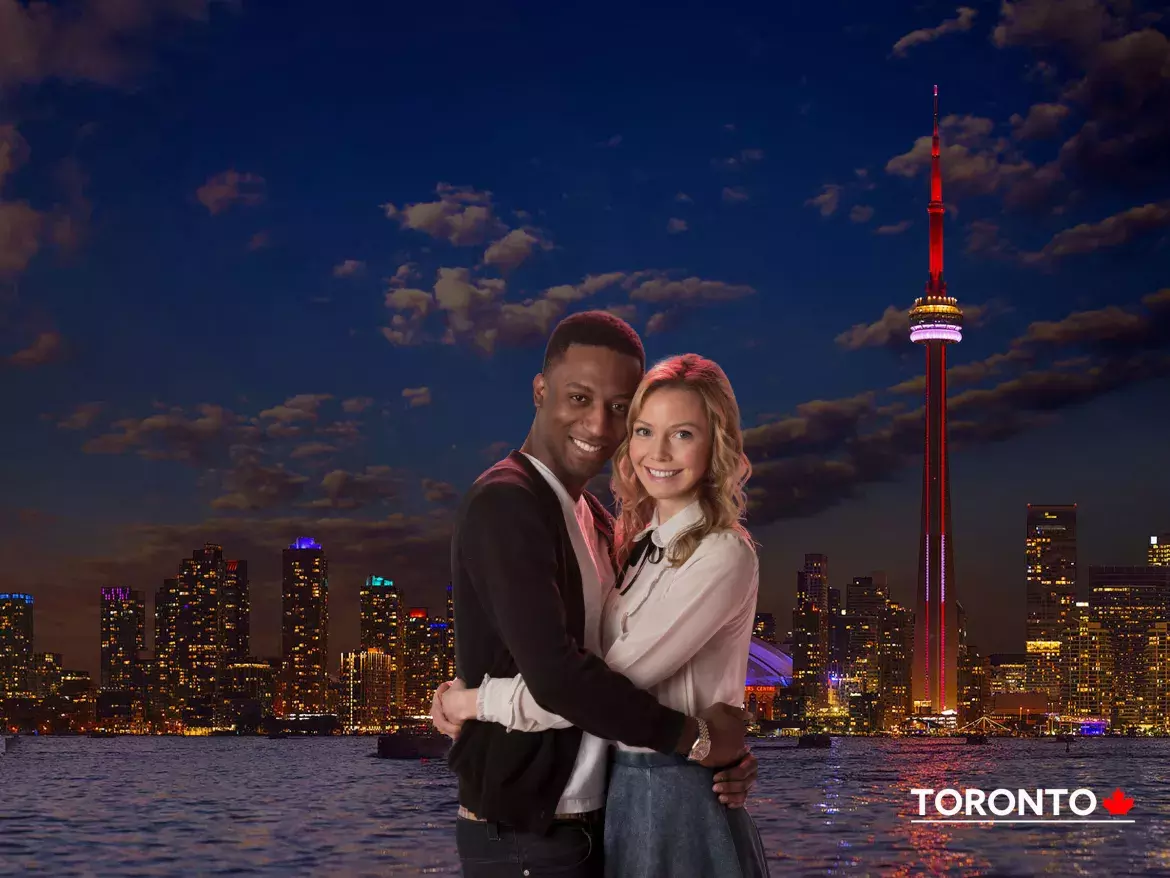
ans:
(1159, 551)
(47, 670)
(123, 633)
(196, 645)
(424, 662)
(367, 690)
(1158, 684)
(449, 642)
(1130, 601)
(381, 608)
(935, 322)
(166, 621)
(304, 629)
(16, 644)
(1051, 554)
(810, 629)
(235, 611)
(765, 627)
(895, 661)
(1086, 663)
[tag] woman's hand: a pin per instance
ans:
(442, 721)
(459, 703)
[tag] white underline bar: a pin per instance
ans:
(1059, 820)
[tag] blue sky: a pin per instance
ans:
(269, 271)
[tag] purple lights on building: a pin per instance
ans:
(119, 593)
(305, 543)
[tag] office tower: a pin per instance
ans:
(1130, 601)
(1158, 684)
(381, 626)
(235, 610)
(765, 627)
(367, 691)
(123, 636)
(935, 322)
(1008, 672)
(838, 636)
(381, 607)
(1051, 555)
(867, 595)
(16, 644)
(1158, 554)
(166, 638)
(304, 628)
(246, 693)
(1086, 662)
(196, 644)
(47, 669)
(424, 661)
(895, 664)
(810, 629)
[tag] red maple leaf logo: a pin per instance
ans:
(1118, 804)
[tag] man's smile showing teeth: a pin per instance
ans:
(663, 473)
(586, 447)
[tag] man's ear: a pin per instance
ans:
(538, 389)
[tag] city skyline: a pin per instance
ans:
(312, 302)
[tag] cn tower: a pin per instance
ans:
(935, 322)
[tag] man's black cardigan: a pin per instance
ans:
(519, 609)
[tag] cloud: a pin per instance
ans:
(513, 250)
(349, 268)
(230, 187)
(1112, 231)
(170, 435)
(302, 407)
(689, 290)
(252, 485)
(861, 213)
(1042, 122)
(1079, 24)
(828, 201)
(964, 17)
(683, 198)
(86, 41)
(734, 194)
(346, 490)
(14, 151)
(894, 228)
(259, 241)
(675, 225)
(312, 449)
(441, 493)
(462, 216)
(82, 417)
(417, 396)
(20, 234)
(356, 404)
(739, 160)
(47, 347)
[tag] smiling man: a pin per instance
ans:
(531, 566)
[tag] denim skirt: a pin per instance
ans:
(663, 821)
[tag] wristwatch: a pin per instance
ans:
(702, 746)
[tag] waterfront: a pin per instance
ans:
(321, 806)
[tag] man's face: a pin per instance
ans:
(582, 402)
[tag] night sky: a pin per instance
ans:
(281, 269)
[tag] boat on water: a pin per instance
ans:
(976, 738)
(413, 745)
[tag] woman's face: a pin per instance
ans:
(670, 447)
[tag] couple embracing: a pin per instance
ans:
(605, 732)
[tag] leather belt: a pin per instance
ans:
(581, 817)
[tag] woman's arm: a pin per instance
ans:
(710, 590)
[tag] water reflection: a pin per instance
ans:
(322, 807)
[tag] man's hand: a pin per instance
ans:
(439, 717)
(727, 726)
(733, 784)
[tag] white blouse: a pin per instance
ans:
(682, 633)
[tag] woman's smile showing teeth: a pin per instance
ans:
(662, 473)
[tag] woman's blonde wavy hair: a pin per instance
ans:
(720, 491)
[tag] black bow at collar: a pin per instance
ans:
(645, 550)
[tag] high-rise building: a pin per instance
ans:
(47, 670)
(196, 644)
(424, 662)
(1050, 548)
(1158, 554)
(235, 612)
(1086, 663)
(1158, 662)
(867, 595)
(381, 608)
(123, 636)
(1008, 672)
(449, 643)
(765, 627)
(935, 322)
(895, 663)
(367, 690)
(167, 608)
(16, 644)
(304, 629)
(1130, 601)
(810, 630)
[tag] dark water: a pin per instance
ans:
(219, 806)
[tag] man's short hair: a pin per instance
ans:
(598, 328)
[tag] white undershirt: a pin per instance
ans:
(585, 790)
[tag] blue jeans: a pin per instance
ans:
(570, 849)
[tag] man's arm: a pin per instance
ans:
(509, 550)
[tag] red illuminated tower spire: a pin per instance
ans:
(935, 322)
